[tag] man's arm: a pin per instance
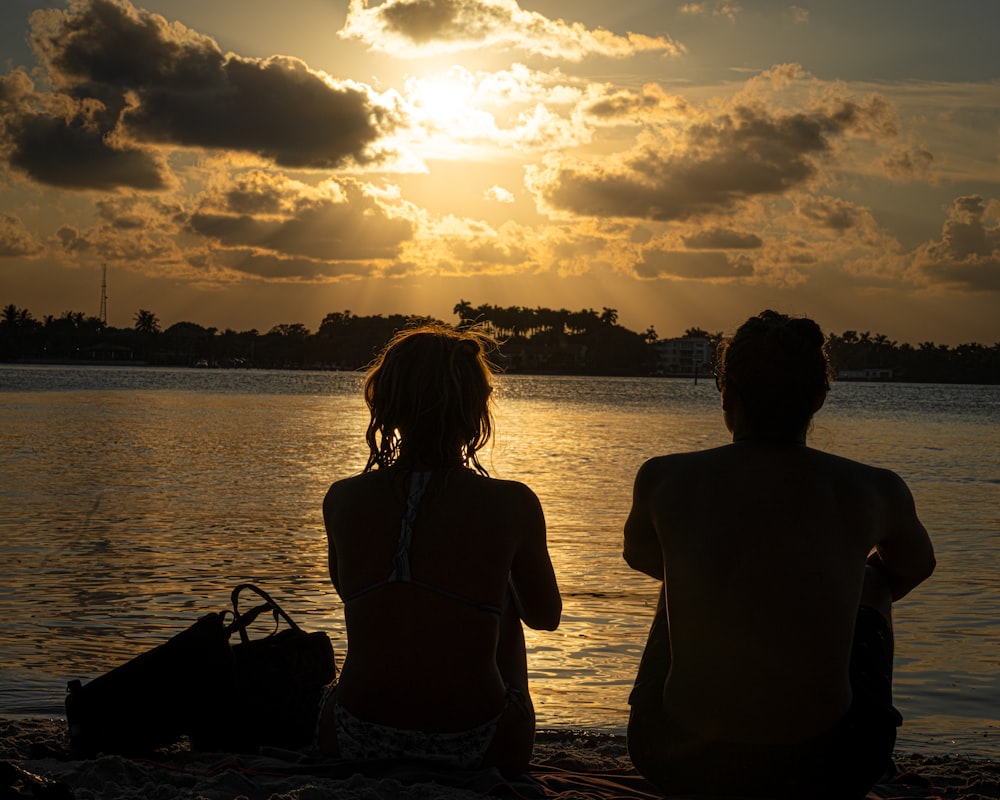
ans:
(642, 550)
(905, 554)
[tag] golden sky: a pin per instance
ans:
(245, 163)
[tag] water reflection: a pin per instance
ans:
(134, 500)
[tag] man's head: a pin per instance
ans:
(774, 375)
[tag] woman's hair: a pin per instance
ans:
(429, 397)
(778, 366)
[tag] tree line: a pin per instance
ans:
(583, 342)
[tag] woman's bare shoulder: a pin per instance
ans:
(507, 489)
(355, 487)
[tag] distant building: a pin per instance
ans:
(868, 374)
(108, 352)
(686, 356)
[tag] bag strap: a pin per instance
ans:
(242, 621)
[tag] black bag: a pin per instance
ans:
(278, 681)
(224, 697)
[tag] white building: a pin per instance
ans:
(687, 356)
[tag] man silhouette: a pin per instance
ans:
(768, 665)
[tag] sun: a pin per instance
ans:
(442, 99)
(449, 117)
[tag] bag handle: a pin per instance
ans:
(242, 621)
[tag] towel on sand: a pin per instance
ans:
(290, 776)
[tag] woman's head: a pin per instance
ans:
(429, 397)
(777, 367)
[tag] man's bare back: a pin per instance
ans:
(766, 546)
(769, 659)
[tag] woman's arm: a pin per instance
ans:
(533, 580)
(328, 508)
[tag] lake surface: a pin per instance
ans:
(132, 500)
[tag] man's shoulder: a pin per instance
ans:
(658, 467)
(860, 469)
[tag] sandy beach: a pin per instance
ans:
(568, 764)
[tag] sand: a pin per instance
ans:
(38, 747)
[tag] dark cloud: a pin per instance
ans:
(72, 240)
(345, 225)
(276, 108)
(730, 162)
(425, 20)
(696, 265)
(623, 105)
(124, 78)
(717, 165)
(968, 253)
(875, 117)
(76, 154)
(720, 239)
(99, 44)
(831, 213)
(273, 267)
(62, 142)
(427, 27)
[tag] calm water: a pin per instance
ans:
(133, 499)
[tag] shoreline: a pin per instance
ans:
(573, 758)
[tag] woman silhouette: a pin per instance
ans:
(437, 564)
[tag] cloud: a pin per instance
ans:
(690, 166)
(141, 212)
(800, 16)
(720, 8)
(15, 239)
(125, 78)
(62, 141)
(605, 106)
(968, 254)
(138, 230)
(832, 213)
(908, 164)
(497, 115)
(258, 223)
(498, 194)
(713, 167)
(720, 239)
(341, 220)
(656, 263)
(284, 269)
(415, 28)
(147, 250)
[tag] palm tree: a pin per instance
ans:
(146, 322)
(466, 316)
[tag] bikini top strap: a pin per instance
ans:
(401, 558)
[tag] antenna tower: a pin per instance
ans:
(104, 295)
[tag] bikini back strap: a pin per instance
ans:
(401, 558)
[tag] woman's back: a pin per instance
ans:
(416, 612)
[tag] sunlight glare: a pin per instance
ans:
(441, 99)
